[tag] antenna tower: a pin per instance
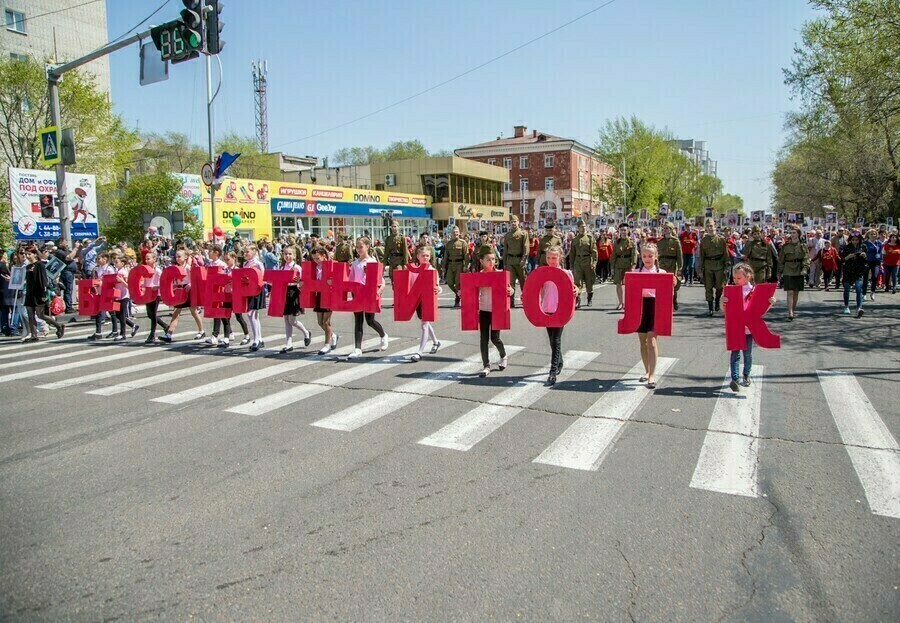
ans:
(260, 79)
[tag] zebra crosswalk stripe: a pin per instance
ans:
(57, 345)
(730, 453)
(299, 393)
(587, 441)
(386, 403)
(216, 387)
(463, 433)
(872, 449)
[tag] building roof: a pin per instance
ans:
(533, 137)
(525, 139)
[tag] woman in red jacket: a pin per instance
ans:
(891, 253)
(604, 252)
(831, 263)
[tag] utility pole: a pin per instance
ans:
(209, 122)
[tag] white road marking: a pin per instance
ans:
(730, 453)
(878, 463)
(466, 431)
(88, 348)
(585, 444)
(298, 393)
(57, 346)
(223, 385)
(392, 401)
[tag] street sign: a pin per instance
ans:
(207, 174)
(50, 145)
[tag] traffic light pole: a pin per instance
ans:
(209, 121)
(54, 74)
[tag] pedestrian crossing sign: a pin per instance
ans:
(50, 145)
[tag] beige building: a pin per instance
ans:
(460, 189)
(56, 31)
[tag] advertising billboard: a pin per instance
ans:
(35, 216)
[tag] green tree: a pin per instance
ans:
(680, 174)
(727, 202)
(398, 150)
(708, 188)
(173, 151)
(103, 142)
(144, 193)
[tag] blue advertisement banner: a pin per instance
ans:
(300, 207)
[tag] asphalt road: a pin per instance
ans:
(207, 485)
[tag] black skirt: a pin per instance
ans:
(318, 307)
(648, 315)
(794, 283)
(258, 301)
(292, 302)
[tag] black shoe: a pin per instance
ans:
(675, 305)
(512, 301)
(734, 385)
(590, 298)
(150, 340)
(551, 380)
(307, 339)
(135, 329)
(746, 381)
(456, 302)
(709, 313)
(286, 349)
(254, 348)
(60, 331)
(718, 307)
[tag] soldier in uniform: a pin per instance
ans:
(713, 256)
(758, 253)
(583, 259)
(793, 267)
(624, 256)
(396, 251)
(454, 262)
(515, 252)
(548, 240)
(671, 258)
(343, 252)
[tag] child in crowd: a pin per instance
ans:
(743, 277)
(231, 262)
(485, 317)
(150, 259)
(123, 298)
(423, 257)
(181, 259)
(255, 303)
(102, 268)
(358, 275)
(224, 324)
(323, 314)
(646, 334)
(549, 305)
(292, 303)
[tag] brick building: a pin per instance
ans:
(549, 177)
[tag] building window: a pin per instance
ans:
(523, 184)
(15, 21)
(524, 207)
(548, 161)
(523, 162)
(507, 187)
(548, 183)
(507, 163)
(492, 161)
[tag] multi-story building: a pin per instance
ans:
(56, 31)
(696, 151)
(550, 178)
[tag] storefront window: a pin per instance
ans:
(428, 186)
(442, 188)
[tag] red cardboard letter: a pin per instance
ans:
(108, 294)
(311, 285)
(409, 293)
(167, 292)
(346, 295)
(139, 294)
(198, 286)
(737, 317)
(217, 294)
(88, 301)
(371, 298)
(498, 282)
(279, 280)
(531, 297)
(663, 286)
(245, 282)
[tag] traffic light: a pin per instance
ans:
(193, 25)
(214, 26)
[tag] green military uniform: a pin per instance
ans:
(759, 255)
(343, 252)
(378, 254)
(671, 258)
(713, 258)
(453, 264)
(515, 250)
(583, 260)
(793, 261)
(547, 240)
(396, 251)
(624, 257)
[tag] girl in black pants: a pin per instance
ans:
(123, 298)
(358, 275)
(153, 306)
(485, 317)
(549, 304)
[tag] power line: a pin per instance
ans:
(454, 78)
(34, 17)
(140, 23)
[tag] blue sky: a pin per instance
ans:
(705, 69)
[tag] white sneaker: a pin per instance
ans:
(356, 353)
(503, 362)
(485, 372)
(231, 337)
(325, 349)
(384, 342)
(212, 341)
(846, 311)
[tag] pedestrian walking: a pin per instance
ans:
(549, 302)
(358, 275)
(793, 267)
(743, 277)
(423, 258)
(485, 318)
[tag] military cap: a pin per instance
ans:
(709, 221)
(755, 229)
(513, 218)
(670, 225)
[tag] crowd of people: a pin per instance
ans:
(857, 261)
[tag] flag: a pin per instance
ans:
(222, 163)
